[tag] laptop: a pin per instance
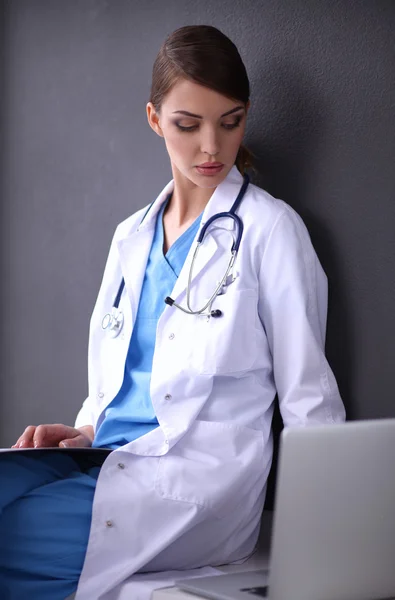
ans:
(334, 521)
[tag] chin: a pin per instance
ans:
(208, 185)
(205, 182)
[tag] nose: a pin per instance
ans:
(209, 142)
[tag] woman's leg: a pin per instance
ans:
(44, 536)
(22, 472)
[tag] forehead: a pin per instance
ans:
(198, 99)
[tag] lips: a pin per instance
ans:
(210, 169)
(211, 165)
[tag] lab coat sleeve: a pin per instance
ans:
(89, 410)
(85, 414)
(293, 311)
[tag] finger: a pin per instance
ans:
(48, 436)
(79, 441)
(39, 436)
(26, 439)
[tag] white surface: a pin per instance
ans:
(142, 586)
(173, 593)
(260, 560)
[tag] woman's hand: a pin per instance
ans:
(50, 436)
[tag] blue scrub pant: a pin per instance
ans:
(45, 517)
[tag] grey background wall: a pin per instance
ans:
(77, 157)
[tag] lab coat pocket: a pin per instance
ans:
(215, 466)
(227, 344)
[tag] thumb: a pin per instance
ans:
(79, 441)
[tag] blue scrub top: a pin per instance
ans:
(131, 414)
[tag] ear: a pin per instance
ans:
(153, 119)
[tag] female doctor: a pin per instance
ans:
(181, 390)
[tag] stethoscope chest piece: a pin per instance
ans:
(112, 323)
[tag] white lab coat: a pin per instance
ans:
(190, 493)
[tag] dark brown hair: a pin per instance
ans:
(203, 54)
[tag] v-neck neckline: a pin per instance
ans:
(175, 245)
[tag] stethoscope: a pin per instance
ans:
(112, 322)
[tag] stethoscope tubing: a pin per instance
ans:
(114, 319)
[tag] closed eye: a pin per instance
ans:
(191, 128)
(233, 125)
(227, 126)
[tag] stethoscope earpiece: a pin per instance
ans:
(216, 313)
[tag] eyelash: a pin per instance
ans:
(227, 127)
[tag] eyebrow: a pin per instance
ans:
(189, 114)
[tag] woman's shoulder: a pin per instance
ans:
(265, 210)
(274, 224)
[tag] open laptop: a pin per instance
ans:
(334, 521)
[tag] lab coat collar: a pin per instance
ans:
(133, 254)
(223, 198)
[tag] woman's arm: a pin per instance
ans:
(293, 310)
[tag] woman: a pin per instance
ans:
(184, 400)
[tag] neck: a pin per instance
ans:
(188, 200)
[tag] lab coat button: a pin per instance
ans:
(101, 395)
(167, 442)
(121, 466)
(168, 397)
(171, 336)
(109, 524)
